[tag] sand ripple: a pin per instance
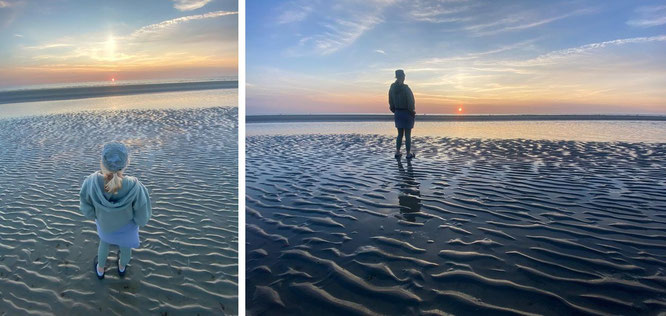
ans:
(187, 263)
(519, 227)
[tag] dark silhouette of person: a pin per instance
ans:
(409, 198)
(401, 103)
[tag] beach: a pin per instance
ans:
(187, 158)
(515, 226)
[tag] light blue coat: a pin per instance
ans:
(113, 211)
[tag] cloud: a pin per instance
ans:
(552, 57)
(520, 21)
(379, 51)
(439, 11)
(649, 16)
(48, 46)
(336, 26)
(18, 35)
(189, 5)
(5, 4)
(294, 15)
(342, 32)
(476, 55)
(169, 23)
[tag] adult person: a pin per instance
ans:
(401, 103)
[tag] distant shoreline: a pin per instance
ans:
(448, 118)
(54, 94)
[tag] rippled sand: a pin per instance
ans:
(335, 225)
(187, 262)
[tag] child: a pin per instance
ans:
(118, 204)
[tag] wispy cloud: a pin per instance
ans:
(18, 35)
(380, 51)
(339, 25)
(49, 46)
(342, 32)
(520, 21)
(189, 5)
(295, 14)
(649, 16)
(553, 57)
(436, 11)
(527, 44)
(169, 23)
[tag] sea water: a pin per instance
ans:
(49, 103)
(597, 131)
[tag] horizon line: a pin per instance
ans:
(355, 117)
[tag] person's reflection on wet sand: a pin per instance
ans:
(410, 195)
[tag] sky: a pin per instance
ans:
(485, 57)
(70, 41)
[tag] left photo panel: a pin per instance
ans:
(119, 157)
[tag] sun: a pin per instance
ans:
(460, 109)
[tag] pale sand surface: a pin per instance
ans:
(337, 226)
(187, 262)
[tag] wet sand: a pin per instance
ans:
(336, 226)
(187, 262)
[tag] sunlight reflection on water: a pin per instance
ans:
(602, 131)
(164, 100)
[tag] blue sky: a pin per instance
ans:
(63, 41)
(486, 56)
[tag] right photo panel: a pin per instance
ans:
(455, 157)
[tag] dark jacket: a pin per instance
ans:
(401, 98)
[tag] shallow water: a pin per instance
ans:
(163, 100)
(187, 262)
(603, 131)
(336, 226)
